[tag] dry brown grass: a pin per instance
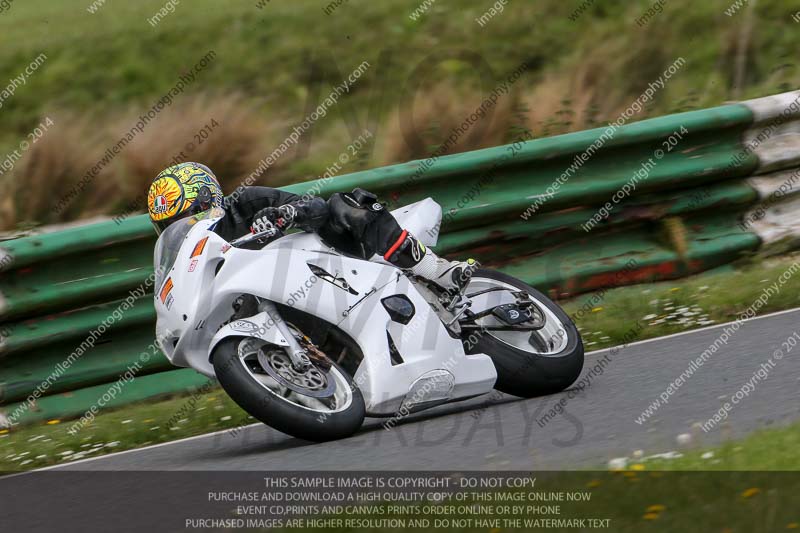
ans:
(49, 170)
(415, 131)
(52, 167)
(232, 149)
(581, 94)
(547, 106)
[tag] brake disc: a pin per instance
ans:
(311, 382)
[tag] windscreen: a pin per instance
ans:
(171, 239)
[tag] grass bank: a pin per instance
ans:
(274, 61)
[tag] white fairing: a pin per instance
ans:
(434, 366)
(422, 219)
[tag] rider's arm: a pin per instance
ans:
(251, 200)
(309, 214)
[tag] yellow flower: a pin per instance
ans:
(749, 493)
(650, 516)
(53, 422)
(596, 309)
(628, 473)
(793, 525)
(148, 420)
(673, 289)
(593, 483)
(657, 508)
(637, 466)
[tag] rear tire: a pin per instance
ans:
(267, 406)
(527, 374)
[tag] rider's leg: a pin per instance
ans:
(370, 229)
(407, 252)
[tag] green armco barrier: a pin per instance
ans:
(583, 264)
(714, 121)
(62, 282)
(79, 239)
(31, 334)
(56, 288)
(75, 403)
(113, 353)
(554, 227)
(75, 292)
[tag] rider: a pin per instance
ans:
(355, 223)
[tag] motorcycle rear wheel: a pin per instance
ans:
(528, 365)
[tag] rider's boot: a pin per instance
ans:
(410, 254)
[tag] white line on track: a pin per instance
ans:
(691, 331)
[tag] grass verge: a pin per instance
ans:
(659, 309)
(774, 449)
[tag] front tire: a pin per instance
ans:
(526, 373)
(262, 397)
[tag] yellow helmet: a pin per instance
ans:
(182, 190)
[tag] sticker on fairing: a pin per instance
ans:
(199, 247)
(165, 290)
(245, 326)
(337, 281)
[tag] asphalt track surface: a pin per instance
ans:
(504, 433)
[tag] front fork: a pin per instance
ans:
(297, 354)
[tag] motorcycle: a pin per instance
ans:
(310, 340)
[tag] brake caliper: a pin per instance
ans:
(523, 310)
(511, 314)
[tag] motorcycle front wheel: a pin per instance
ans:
(318, 404)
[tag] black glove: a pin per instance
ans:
(280, 217)
(308, 215)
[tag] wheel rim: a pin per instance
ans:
(551, 339)
(270, 367)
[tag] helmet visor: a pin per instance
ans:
(161, 225)
(214, 212)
